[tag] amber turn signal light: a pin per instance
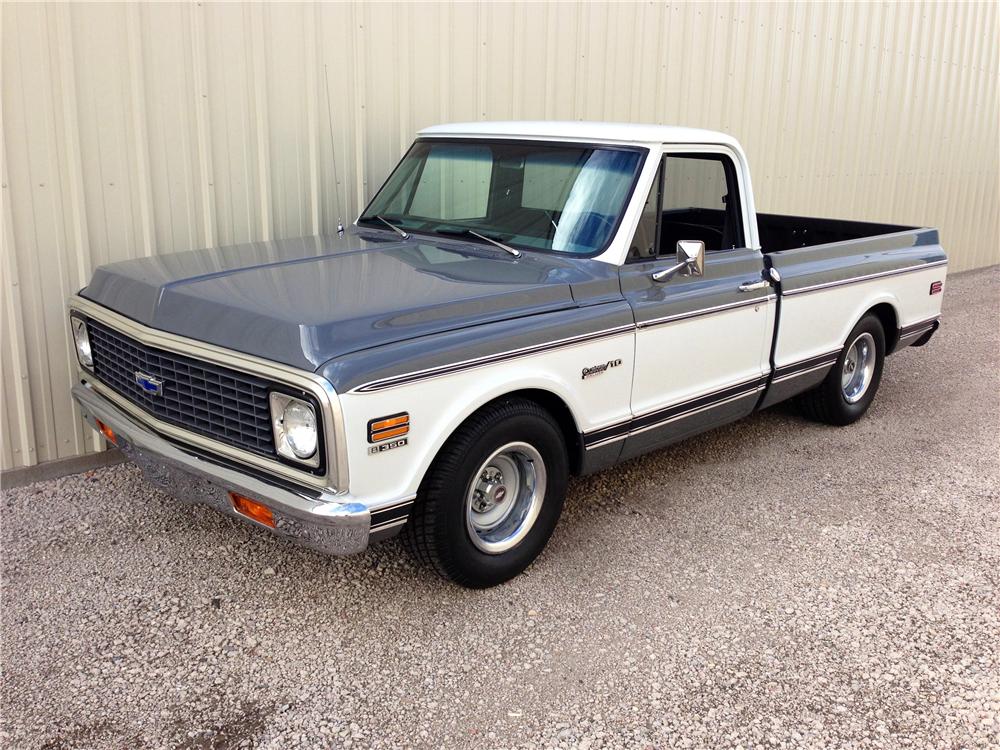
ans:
(252, 509)
(385, 424)
(384, 428)
(107, 432)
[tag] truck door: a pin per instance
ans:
(702, 342)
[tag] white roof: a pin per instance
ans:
(578, 130)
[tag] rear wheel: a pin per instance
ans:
(849, 389)
(492, 498)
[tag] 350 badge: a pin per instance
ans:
(387, 446)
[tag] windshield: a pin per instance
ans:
(539, 196)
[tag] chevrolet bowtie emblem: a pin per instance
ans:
(151, 385)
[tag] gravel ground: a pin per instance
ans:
(771, 584)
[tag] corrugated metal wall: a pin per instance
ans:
(136, 129)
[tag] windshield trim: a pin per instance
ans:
(644, 152)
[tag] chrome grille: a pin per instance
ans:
(227, 405)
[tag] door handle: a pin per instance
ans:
(753, 286)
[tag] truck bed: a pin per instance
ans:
(778, 232)
(832, 272)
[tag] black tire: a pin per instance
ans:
(826, 402)
(437, 534)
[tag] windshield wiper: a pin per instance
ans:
(392, 226)
(512, 250)
(465, 231)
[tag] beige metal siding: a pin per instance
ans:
(136, 129)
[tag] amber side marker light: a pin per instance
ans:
(107, 432)
(252, 509)
(384, 428)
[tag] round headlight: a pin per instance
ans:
(82, 340)
(295, 427)
(299, 422)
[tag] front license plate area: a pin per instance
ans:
(176, 482)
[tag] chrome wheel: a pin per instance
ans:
(859, 367)
(504, 498)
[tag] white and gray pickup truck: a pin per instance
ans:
(519, 302)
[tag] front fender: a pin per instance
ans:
(438, 405)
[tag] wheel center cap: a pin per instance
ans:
(491, 491)
(849, 365)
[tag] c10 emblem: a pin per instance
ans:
(600, 369)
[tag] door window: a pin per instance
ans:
(701, 201)
(693, 197)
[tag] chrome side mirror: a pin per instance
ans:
(692, 254)
(690, 261)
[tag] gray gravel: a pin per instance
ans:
(771, 584)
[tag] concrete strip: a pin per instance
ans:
(62, 467)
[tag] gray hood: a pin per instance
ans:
(306, 301)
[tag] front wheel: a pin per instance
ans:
(849, 389)
(492, 498)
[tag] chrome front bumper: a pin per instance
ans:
(317, 521)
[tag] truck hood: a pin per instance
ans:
(306, 301)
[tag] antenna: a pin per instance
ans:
(333, 150)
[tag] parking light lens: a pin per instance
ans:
(108, 433)
(252, 509)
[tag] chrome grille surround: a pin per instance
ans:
(245, 366)
(214, 401)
